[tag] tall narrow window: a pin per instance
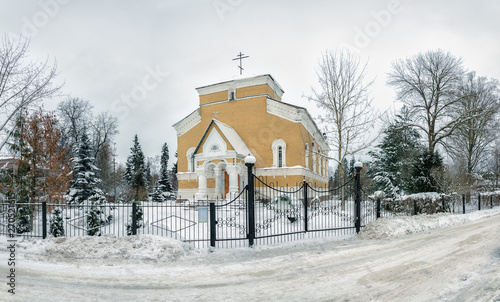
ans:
(278, 148)
(280, 156)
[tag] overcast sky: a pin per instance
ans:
(142, 60)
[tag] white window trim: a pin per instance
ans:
(190, 159)
(306, 161)
(229, 91)
(275, 147)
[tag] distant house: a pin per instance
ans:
(240, 117)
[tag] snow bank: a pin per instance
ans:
(142, 248)
(149, 248)
(387, 227)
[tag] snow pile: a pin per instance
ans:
(387, 227)
(142, 248)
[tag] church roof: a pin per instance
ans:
(231, 135)
(242, 81)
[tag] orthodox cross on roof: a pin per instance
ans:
(240, 57)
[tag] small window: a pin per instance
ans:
(280, 156)
(231, 95)
(215, 148)
(279, 153)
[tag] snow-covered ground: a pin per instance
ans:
(422, 258)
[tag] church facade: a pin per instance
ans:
(241, 117)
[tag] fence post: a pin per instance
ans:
(304, 186)
(250, 162)
(463, 202)
(44, 219)
(134, 218)
(491, 201)
(213, 223)
(415, 208)
(444, 204)
(378, 208)
(358, 166)
(479, 202)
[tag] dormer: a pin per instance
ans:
(241, 88)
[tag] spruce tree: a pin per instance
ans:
(56, 223)
(21, 182)
(84, 187)
(135, 169)
(397, 154)
(163, 185)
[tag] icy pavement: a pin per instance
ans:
(423, 258)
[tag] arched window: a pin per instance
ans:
(306, 160)
(190, 159)
(315, 159)
(279, 153)
(215, 148)
(231, 94)
(280, 156)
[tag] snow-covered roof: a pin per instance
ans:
(242, 81)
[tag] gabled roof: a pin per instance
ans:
(231, 135)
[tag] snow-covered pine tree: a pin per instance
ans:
(56, 223)
(396, 157)
(140, 218)
(21, 183)
(149, 177)
(163, 185)
(84, 186)
(135, 172)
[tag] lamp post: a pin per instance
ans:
(358, 166)
(250, 162)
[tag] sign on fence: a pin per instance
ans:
(202, 215)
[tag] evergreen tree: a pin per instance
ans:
(56, 223)
(173, 175)
(19, 184)
(397, 154)
(424, 174)
(84, 186)
(135, 171)
(163, 185)
(85, 180)
(139, 215)
(149, 177)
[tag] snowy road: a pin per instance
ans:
(455, 263)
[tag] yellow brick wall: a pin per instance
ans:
(254, 90)
(188, 184)
(257, 128)
(213, 97)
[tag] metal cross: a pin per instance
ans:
(240, 57)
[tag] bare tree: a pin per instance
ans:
(344, 97)
(75, 114)
(427, 83)
(22, 83)
(471, 139)
(104, 129)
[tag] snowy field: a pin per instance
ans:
(440, 257)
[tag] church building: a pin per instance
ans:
(241, 117)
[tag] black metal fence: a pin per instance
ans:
(263, 214)
(439, 203)
(259, 215)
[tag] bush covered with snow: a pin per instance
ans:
(427, 203)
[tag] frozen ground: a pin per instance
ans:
(422, 258)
